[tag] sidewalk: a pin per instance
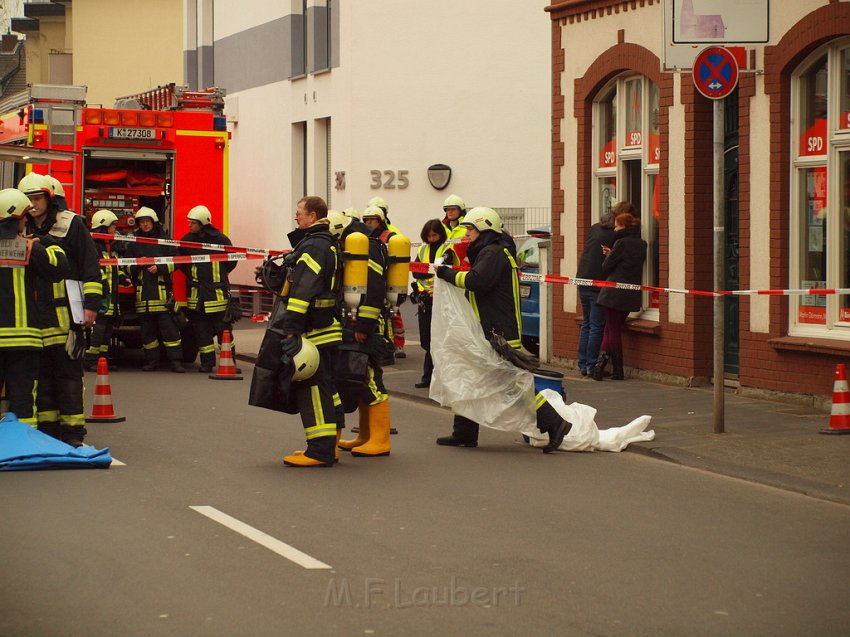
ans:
(767, 442)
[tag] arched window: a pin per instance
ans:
(627, 148)
(820, 191)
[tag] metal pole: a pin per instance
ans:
(545, 328)
(719, 263)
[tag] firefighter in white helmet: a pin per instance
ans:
(375, 216)
(454, 210)
(210, 308)
(109, 316)
(60, 384)
(154, 294)
(492, 286)
(24, 264)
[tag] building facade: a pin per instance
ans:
(354, 99)
(624, 128)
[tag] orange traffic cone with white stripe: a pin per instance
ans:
(226, 367)
(839, 418)
(102, 410)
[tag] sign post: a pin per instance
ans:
(715, 75)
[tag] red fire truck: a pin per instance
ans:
(165, 148)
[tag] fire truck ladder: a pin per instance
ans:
(170, 97)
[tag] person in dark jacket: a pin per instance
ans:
(492, 285)
(154, 294)
(109, 315)
(623, 264)
(593, 314)
(208, 288)
(311, 313)
(23, 263)
(433, 247)
(60, 383)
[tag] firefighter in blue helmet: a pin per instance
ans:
(492, 286)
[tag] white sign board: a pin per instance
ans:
(690, 25)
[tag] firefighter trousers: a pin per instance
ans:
(60, 396)
(101, 335)
(19, 375)
(317, 400)
(208, 326)
(156, 326)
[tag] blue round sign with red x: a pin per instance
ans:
(715, 72)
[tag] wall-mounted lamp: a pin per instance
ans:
(439, 175)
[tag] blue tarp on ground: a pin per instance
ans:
(22, 448)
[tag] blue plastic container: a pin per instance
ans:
(548, 379)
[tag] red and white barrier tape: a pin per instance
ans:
(238, 253)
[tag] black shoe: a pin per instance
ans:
(423, 384)
(584, 372)
(556, 436)
(177, 367)
(599, 368)
(400, 353)
(149, 367)
(451, 441)
(205, 369)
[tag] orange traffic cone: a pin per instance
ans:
(839, 419)
(102, 410)
(226, 367)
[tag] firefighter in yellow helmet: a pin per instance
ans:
(60, 384)
(154, 294)
(24, 264)
(208, 287)
(492, 286)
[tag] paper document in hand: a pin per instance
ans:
(75, 300)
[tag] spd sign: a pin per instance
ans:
(715, 72)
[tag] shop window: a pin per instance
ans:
(820, 193)
(626, 166)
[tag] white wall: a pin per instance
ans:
(461, 83)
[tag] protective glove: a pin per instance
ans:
(414, 297)
(290, 346)
(75, 344)
(446, 273)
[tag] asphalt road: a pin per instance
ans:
(496, 540)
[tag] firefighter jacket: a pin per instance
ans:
(423, 282)
(67, 230)
(369, 318)
(492, 285)
(455, 236)
(111, 276)
(24, 264)
(315, 282)
(208, 288)
(153, 290)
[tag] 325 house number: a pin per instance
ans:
(390, 179)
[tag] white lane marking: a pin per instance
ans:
(263, 539)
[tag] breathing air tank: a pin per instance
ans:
(398, 249)
(355, 272)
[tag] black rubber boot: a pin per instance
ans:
(549, 421)
(617, 363)
(464, 434)
(599, 367)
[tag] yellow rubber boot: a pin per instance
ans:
(300, 460)
(363, 436)
(336, 451)
(379, 432)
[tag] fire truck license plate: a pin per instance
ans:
(131, 133)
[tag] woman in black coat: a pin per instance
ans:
(623, 264)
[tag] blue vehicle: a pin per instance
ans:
(528, 256)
